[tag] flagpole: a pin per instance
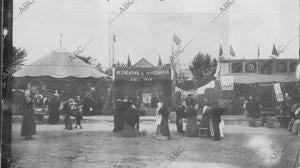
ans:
(257, 62)
(109, 40)
(172, 77)
(60, 41)
(113, 51)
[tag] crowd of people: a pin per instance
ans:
(288, 110)
(126, 114)
(292, 109)
(55, 106)
(126, 117)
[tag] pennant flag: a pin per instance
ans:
(231, 52)
(221, 51)
(176, 39)
(274, 51)
(114, 37)
(159, 61)
(128, 61)
(258, 52)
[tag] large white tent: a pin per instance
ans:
(59, 64)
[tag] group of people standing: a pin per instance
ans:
(126, 115)
(68, 107)
(211, 119)
(293, 110)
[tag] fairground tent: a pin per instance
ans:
(59, 64)
(200, 90)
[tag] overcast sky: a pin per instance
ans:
(147, 27)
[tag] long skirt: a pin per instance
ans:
(290, 126)
(296, 127)
(211, 128)
(28, 126)
(158, 130)
(191, 127)
(216, 127)
(68, 122)
(53, 116)
(204, 123)
(164, 127)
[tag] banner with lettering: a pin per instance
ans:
(142, 74)
(227, 83)
(278, 92)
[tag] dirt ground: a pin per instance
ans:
(95, 146)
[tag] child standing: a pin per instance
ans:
(67, 114)
(78, 116)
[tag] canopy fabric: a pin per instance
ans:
(200, 90)
(59, 64)
(263, 78)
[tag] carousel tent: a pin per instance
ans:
(59, 64)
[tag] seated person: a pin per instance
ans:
(292, 116)
(296, 122)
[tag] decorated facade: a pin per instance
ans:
(144, 82)
(243, 78)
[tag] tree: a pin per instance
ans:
(17, 60)
(203, 69)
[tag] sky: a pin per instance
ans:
(147, 27)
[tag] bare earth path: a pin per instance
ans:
(95, 146)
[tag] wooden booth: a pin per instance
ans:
(143, 82)
(258, 78)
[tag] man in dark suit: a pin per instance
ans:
(179, 117)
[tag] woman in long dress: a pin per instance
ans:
(191, 125)
(205, 122)
(28, 124)
(296, 125)
(53, 109)
(164, 126)
(158, 119)
(67, 115)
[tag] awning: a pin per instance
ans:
(262, 78)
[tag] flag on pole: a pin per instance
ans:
(220, 51)
(258, 52)
(176, 39)
(114, 37)
(274, 51)
(231, 52)
(128, 61)
(159, 61)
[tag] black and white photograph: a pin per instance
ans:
(150, 83)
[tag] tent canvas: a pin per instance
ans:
(59, 64)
